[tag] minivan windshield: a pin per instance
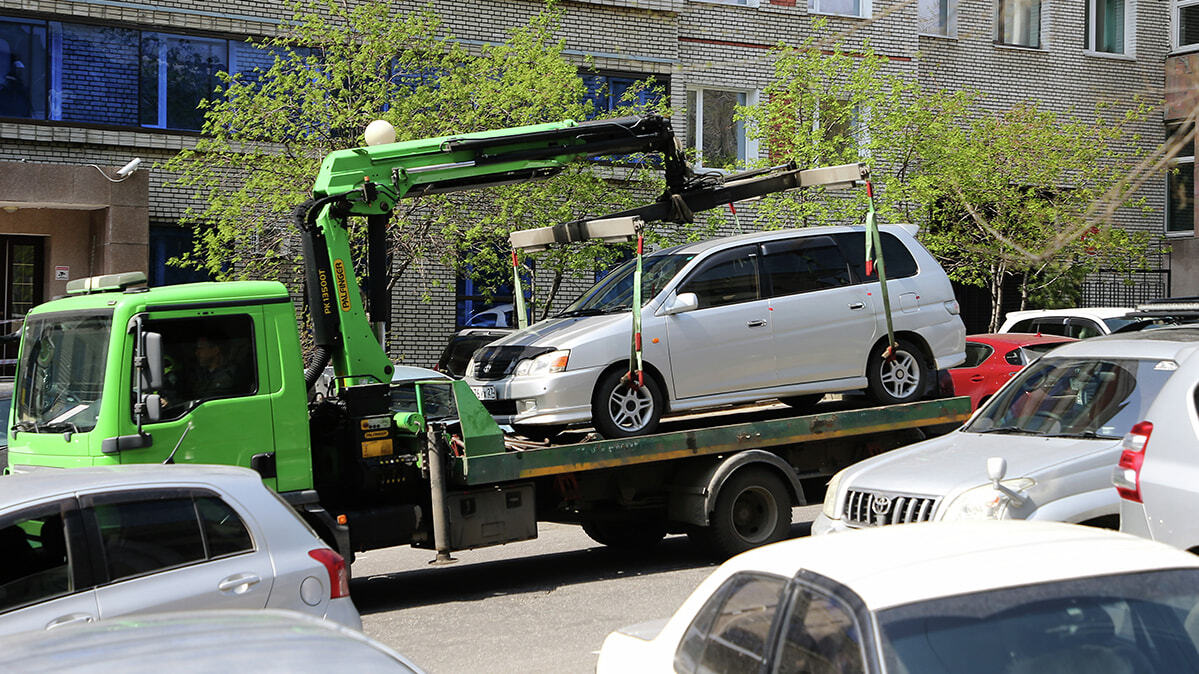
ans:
(61, 372)
(1075, 397)
(615, 291)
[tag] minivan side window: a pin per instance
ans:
(820, 635)
(728, 277)
(148, 531)
(897, 257)
(803, 265)
(36, 566)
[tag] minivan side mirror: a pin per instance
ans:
(681, 303)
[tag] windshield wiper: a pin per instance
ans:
(26, 426)
(1092, 435)
(59, 427)
(595, 311)
(1008, 430)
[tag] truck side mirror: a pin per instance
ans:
(681, 303)
(153, 404)
(152, 351)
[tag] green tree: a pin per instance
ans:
(338, 68)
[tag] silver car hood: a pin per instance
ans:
(563, 333)
(959, 460)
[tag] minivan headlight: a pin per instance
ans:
(554, 361)
(984, 502)
(830, 495)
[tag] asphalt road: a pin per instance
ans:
(538, 606)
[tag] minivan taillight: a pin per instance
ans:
(339, 580)
(1127, 476)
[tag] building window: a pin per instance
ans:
(1018, 22)
(859, 8)
(1111, 25)
(1180, 190)
(22, 69)
(1186, 23)
(167, 242)
(719, 140)
(94, 74)
(177, 72)
(486, 299)
(938, 17)
(843, 128)
(607, 93)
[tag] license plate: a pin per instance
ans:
(484, 392)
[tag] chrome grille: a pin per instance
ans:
(868, 509)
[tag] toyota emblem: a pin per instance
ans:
(880, 505)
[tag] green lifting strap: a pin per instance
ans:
(522, 319)
(874, 258)
(636, 375)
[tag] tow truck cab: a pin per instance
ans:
(82, 399)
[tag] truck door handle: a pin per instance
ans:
(759, 323)
(70, 619)
(857, 305)
(238, 583)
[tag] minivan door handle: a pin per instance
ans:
(238, 583)
(857, 305)
(759, 323)
(70, 619)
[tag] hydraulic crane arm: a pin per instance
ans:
(368, 181)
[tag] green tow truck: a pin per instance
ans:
(120, 373)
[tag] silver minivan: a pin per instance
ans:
(786, 314)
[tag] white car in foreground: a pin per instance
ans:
(1043, 447)
(976, 597)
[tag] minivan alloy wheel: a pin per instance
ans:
(903, 378)
(901, 374)
(619, 410)
(631, 407)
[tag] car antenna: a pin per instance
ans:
(171, 458)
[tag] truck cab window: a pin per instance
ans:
(206, 358)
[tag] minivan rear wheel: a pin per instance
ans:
(620, 409)
(901, 379)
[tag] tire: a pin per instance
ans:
(753, 508)
(619, 411)
(624, 535)
(538, 433)
(802, 403)
(903, 379)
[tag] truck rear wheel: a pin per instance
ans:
(625, 535)
(752, 509)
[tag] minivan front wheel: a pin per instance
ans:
(621, 410)
(903, 378)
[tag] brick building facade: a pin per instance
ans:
(710, 53)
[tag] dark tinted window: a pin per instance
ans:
(205, 359)
(1082, 328)
(975, 354)
(224, 531)
(1014, 357)
(804, 265)
(148, 531)
(820, 636)
(725, 278)
(736, 635)
(35, 564)
(896, 256)
(1025, 325)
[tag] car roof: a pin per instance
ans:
(1081, 312)
(757, 237)
(1018, 338)
(48, 482)
(901, 564)
(1171, 342)
(201, 641)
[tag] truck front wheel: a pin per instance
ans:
(624, 535)
(753, 508)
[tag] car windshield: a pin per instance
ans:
(61, 372)
(615, 291)
(1135, 622)
(435, 397)
(1077, 397)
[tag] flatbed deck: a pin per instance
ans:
(757, 434)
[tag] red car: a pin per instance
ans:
(992, 359)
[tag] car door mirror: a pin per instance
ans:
(681, 303)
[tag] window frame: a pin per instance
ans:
(1179, 160)
(1176, 7)
(999, 25)
(695, 139)
(1130, 29)
(865, 10)
(720, 257)
(711, 609)
(79, 564)
(951, 18)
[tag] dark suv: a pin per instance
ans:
(463, 345)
